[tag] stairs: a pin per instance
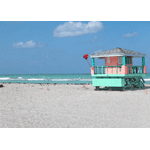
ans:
(131, 83)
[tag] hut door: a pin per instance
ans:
(108, 59)
(119, 60)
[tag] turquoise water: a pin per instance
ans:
(47, 78)
(53, 78)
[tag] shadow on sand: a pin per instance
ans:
(1, 85)
(120, 89)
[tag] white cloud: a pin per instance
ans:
(77, 28)
(28, 44)
(130, 34)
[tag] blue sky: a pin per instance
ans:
(54, 47)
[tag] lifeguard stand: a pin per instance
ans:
(118, 70)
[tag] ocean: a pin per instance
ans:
(53, 78)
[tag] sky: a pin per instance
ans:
(57, 47)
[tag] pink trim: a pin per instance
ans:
(92, 70)
(124, 70)
(145, 69)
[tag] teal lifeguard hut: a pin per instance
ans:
(118, 70)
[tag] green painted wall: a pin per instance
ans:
(123, 60)
(143, 61)
(112, 82)
(93, 62)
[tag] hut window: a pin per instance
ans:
(128, 60)
(108, 59)
(120, 60)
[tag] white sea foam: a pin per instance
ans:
(35, 79)
(5, 78)
(85, 79)
(146, 79)
(20, 78)
(60, 79)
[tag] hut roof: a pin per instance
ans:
(117, 52)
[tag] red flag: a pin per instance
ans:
(85, 56)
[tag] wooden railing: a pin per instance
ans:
(135, 69)
(101, 69)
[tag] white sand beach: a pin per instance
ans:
(72, 106)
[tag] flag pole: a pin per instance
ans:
(89, 63)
